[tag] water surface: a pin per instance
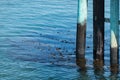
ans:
(37, 41)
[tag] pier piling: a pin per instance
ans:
(114, 29)
(81, 33)
(98, 33)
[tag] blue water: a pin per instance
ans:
(37, 41)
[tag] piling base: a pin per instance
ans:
(114, 68)
(98, 63)
(81, 63)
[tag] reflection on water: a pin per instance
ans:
(114, 77)
(99, 74)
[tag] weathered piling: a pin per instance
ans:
(114, 25)
(98, 33)
(81, 33)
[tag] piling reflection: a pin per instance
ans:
(96, 73)
(83, 75)
(114, 76)
(99, 73)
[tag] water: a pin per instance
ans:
(37, 41)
